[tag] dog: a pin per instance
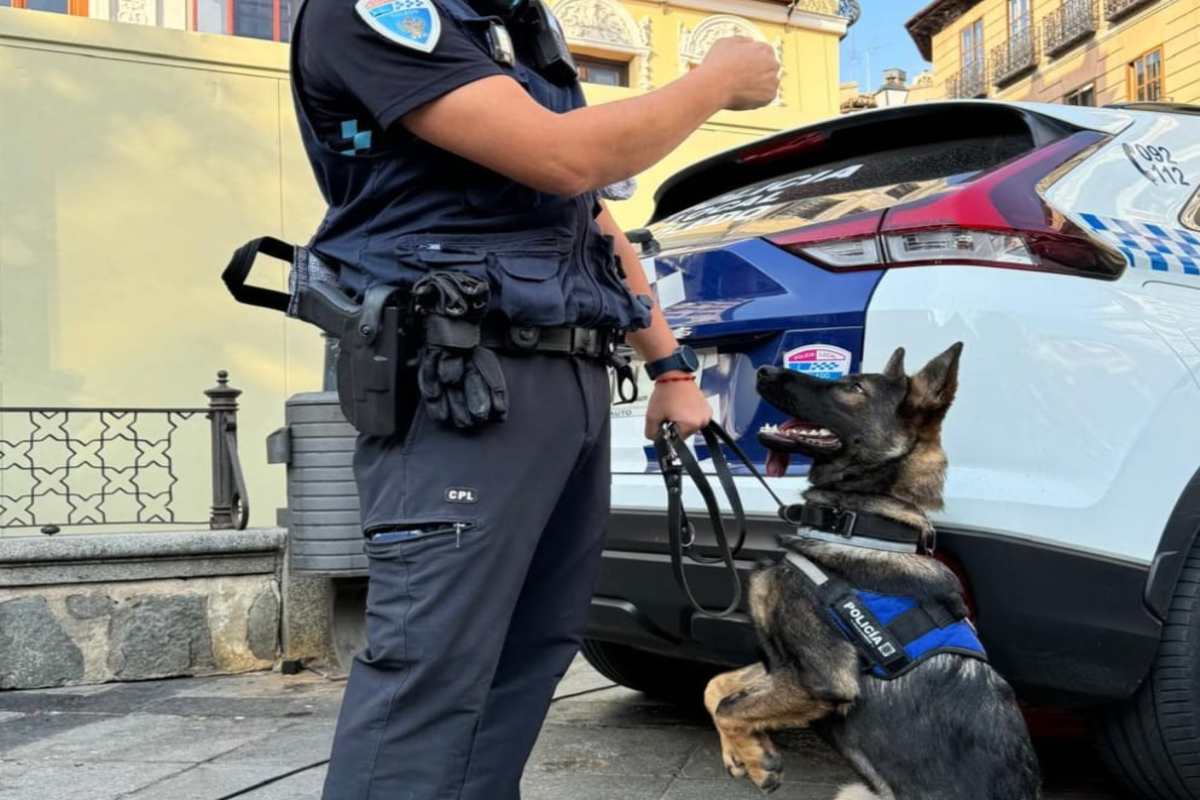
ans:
(949, 727)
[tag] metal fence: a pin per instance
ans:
(103, 466)
(1116, 9)
(970, 82)
(1016, 56)
(1070, 23)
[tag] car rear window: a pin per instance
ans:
(892, 151)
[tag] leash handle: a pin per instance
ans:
(674, 459)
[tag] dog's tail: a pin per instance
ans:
(856, 792)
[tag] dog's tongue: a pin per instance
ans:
(777, 463)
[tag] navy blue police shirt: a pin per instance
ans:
(400, 206)
(356, 81)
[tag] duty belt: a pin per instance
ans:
(599, 343)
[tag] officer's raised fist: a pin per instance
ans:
(745, 69)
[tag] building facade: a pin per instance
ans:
(135, 157)
(1082, 52)
(894, 90)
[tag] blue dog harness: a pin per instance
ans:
(891, 633)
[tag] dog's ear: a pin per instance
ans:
(933, 388)
(895, 365)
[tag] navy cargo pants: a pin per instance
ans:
(471, 625)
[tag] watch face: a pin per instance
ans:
(689, 357)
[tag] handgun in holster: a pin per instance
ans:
(375, 368)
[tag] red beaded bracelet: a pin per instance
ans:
(674, 378)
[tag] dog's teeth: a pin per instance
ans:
(825, 432)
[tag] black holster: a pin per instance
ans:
(376, 380)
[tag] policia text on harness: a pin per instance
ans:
(892, 634)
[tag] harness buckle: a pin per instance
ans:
(845, 523)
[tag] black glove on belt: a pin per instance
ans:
(460, 380)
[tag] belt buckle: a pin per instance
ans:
(845, 523)
(583, 341)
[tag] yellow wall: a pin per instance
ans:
(133, 159)
(129, 169)
(1104, 59)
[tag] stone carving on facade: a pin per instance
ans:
(606, 25)
(598, 22)
(645, 78)
(695, 44)
(782, 71)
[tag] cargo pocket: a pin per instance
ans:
(414, 541)
(529, 284)
(430, 253)
(523, 270)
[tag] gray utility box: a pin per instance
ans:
(324, 527)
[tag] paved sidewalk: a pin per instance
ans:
(206, 738)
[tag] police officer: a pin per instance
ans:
(452, 145)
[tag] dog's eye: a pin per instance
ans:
(858, 387)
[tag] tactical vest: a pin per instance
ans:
(394, 214)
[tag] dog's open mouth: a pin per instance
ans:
(793, 436)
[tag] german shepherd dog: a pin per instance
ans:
(949, 728)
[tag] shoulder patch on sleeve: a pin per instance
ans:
(412, 23)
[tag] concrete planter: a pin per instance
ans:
(104, 607)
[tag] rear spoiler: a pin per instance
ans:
(850, 136)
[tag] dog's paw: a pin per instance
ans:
(770, 783)
(760, 762)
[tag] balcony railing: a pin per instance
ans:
(104, 466)
(1069, 24)
(1115, 9)
(1015, 57)
(970, 82)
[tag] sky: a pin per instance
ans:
(878, 41)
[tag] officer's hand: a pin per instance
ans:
(680, 402)
(747, 69)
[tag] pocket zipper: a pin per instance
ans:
(456, 528)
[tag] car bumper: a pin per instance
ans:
(1061, 625)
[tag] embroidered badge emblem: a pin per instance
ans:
(412, 23)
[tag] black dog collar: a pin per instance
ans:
(855, 528)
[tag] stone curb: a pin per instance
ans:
(105, 557)
(88, 546)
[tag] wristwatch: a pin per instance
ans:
(684, 359)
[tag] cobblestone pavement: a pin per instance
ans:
(207, 738)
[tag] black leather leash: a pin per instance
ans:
(830, 523)
(675, 459)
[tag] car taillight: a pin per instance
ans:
(999, 219)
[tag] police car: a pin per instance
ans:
(1062, 246)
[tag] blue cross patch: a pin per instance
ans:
(353, 142)
(412, 23)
